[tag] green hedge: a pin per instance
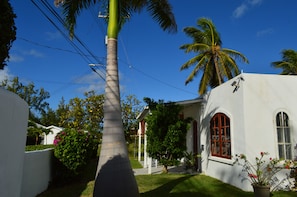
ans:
(38, 147)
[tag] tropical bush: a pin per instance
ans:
(75, 148)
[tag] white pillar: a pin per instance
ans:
(145, 153)
(139, 145)
(149, 165)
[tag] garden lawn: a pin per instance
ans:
(159, 185)
(178, 185)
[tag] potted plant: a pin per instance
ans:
(262, 171)
(190, 161)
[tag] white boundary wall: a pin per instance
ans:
(13, 130)
(37, 172)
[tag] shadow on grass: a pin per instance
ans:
(115, 178)
(193, 185)
(75, 186)
(165, 189)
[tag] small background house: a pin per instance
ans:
(248, 114)
(49, 138)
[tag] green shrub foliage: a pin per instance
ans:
(75, 148)
(166, 133)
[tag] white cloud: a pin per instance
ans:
(264, 32)
(95, 82)
(255, 2)
(15, 58)
(4, 74)
(20, 55)
(239, 11)
(53, 35)
(33, 52)
(91, 81)
(244, 7)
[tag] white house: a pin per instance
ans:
(248, 114)
(49, 138)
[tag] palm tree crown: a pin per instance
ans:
(161, 11)
(288, 64)
(215, 62)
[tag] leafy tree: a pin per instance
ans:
(114, 152)
(288, 64)
(35, 98)
(7, 29)
(76, 114)
(82, 113)
(166, 134)
(130, 109)
(49, 117)
(215, 62)
(61, 112)
(94, 111)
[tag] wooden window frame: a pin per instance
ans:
(220, 141)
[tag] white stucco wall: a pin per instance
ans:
(252, 110)
(193, 111)
(37, 172)
(13, 129)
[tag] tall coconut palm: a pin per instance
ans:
(215, 62)
(114, 175)
(288, 64)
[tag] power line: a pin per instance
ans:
(55, 48)
(63, 33)
(58, 17)
(80, 52)
(150, 76)
(160, 81)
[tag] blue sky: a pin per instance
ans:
(149, 58)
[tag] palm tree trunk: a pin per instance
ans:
(114, 176)
(218, 72)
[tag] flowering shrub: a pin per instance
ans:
(74, 148)
(263, 170)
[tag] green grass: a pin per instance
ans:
(175, 185)
(134, 163)
(159, 185)
(37, 147)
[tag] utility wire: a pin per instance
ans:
(87, 57)
(64, 35)
(58, 49)
(149, 76)
(57, 16)
(160, 81)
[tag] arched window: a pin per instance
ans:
(283, 136)
(220, 136)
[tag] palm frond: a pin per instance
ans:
(196, 47)
(206, 78)
(288, 64)
(192, 61)
(198, 67)
(237, 55)
(71, 9)
(210, 31)
(161, 11)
